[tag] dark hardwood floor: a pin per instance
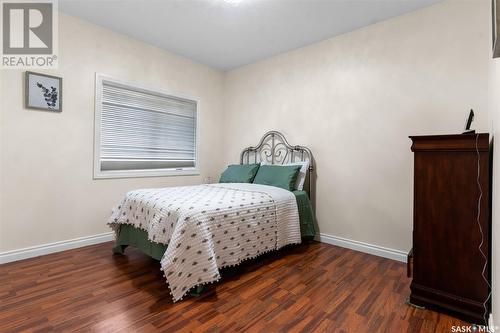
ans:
(310, 288)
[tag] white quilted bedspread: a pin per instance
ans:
(207, 227)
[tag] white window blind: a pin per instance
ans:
(145, 130)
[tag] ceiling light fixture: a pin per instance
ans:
(233, 2)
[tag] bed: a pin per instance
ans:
(194, 231)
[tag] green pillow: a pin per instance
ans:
(239, 173)
(278, 175)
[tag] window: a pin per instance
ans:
(140, 133)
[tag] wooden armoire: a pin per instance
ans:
(445, 263)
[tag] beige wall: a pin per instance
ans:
(1, 161)
(355, 98)
(494, 99)
(46, 181)
(495, 112)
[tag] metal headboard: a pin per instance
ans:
(273, 148)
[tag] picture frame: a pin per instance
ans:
(495, 17)
(43, 92)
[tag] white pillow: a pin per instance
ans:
(301, 177)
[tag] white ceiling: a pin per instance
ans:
(226, 34)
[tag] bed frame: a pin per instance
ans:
(274, 148)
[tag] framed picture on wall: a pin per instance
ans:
(43, 92)
(495, 17)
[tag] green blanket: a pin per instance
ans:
(129, 235)
(306, 214)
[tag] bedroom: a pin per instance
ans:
(347, 81)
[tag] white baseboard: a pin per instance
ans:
(41, 250)
(363, 247)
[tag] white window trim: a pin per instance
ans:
(99, 174)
